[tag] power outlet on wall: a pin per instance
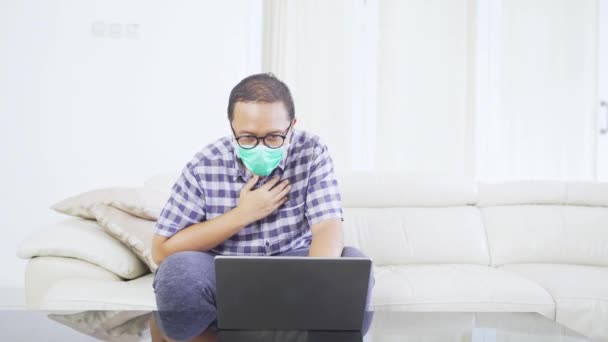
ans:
(100, 29)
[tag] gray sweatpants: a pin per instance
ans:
(184, 285)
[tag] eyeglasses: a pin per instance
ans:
(272, 140)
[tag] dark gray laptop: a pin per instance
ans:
(291, 293)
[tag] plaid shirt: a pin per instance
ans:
(210, 184)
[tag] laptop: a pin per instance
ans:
(291, 293)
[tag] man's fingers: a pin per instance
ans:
(279, 187)
(271, 182)
(283, 192)
(280, 202)
(251, 182)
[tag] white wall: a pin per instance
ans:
(80, 109)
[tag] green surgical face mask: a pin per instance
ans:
(261, 160)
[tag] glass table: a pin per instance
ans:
(390, 326)
(386, 326)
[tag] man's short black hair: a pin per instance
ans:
(264, 87)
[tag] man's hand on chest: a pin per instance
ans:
(261, 202)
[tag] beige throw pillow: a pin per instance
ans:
(142, 202)
(73, 237)
(134, 232)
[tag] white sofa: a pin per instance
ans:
(437, 245)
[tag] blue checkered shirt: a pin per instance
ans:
(210, 184)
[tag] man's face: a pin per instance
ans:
(261, 119)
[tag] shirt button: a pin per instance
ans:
(267, 243)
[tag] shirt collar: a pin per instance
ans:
(238, 170)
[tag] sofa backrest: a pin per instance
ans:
(546, 221)
(399, 219)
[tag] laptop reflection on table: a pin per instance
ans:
(288, 336)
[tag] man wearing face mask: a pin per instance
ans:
(267, 189)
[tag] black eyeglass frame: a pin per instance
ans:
(257, 142)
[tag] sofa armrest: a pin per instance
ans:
(81, 294)
(42, 273)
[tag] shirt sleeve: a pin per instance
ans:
(323, 200)
(185, 206)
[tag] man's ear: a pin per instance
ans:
(293, 125)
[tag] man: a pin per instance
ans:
(268, 189)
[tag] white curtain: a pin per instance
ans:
(539, 119)
(307, 45)
(385, 83)
(425, 99)
(395, 84)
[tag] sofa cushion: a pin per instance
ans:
(392, 236)
(547, 234)
(74, 237)
(580, 294)
(457, 287)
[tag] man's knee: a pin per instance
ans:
(184, 263)
(185, 294)
(183, 276)
(353, 252)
